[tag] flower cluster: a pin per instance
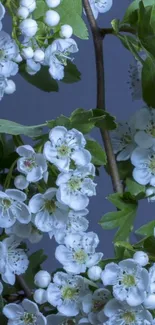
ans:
(100, 6)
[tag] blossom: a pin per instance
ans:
(100, 6)
(29, 4)
(123, 140)
(42, 279)
(75, 187)
(149, 302)
(20, 182)
(12, 208)
(13, 260)
(93, 304)
(66, 31)
(141, 258)
(53, 3)
(9, 51)
(26, 314)
(79, 252)
(145, 123)
(144, 162)
(32, 164)
(48, 212)
(66, 293)
(150, 193)
(28, 27)
(56, 56)
(51, 18)
(135, 71)
(123, 314)
(32, 67)
(94, 272)
(2, 13)
(129, 280)
(75, 222)
(66, 146)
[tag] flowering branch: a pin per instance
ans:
(117, 185)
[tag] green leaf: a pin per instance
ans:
(3, 319)
(98, 154)
(146, 31)
(115, 25)
(148, 81)
(149, 245)
(146, 230)
(36, 259)
(134, 188)
(70, 13)
(61, 120)
(131, 15)
(10, 127)
(128, 39)
(80, 119)
(124, 244)
(41, 79)
(40, 10)
(123, 219)
(72, 74)
(103, 119)
(125, 169)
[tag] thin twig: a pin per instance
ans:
(97, 39)
(110, 31)
(24, 286)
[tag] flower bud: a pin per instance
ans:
(150, 191)
(22, 12)
(52, 18)
(27, 52)
(94, 273)
(53, 3)
(149, 302)
(39, 55)
(28, 27)
(20, 182)
(66, 31)
(10, 88)
(29, 4)
(141, 258)
(42, 279)
(40, 296)
(18, 58)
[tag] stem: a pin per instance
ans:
(125, 29)
(24, 286)
(97, 39)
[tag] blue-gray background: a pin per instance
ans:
(30, 105)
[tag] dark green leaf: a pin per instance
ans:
(131, 15)
(72, 74)
(80, 119)
(134, 188)
(128, 39)
(36, 259)
(148, 81)
(146, 31)
(98, 154)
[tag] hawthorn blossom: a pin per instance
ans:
(150, 193)
(2, 13)
(48, 212)
(135, 71)
(32, 164)
(27, 313)
(75, 187)
(13, 260)
(129, 280)
(93, 305)
(123, 140)
(100, 6)
(59, 319)
(12, 208)
(122, 314)
(145, 123)
(9, 51)
(66, 293)
(79, 252)
(26, 231)
(66, 146)
(144, 162)
(149, 302)
(57, 54)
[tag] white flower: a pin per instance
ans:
(13, 260)
(9, 51)
(28, 27)
(150, 194)
(94, 272)
(141, 258)
(3, 85)
(25, 231)
(135, 83)
(52, 18)
(149, 302)
(10, 87)
(56, 56)
(40, 296)
(66, 293)
(66, 31)
(129, 280)
(123, 140)
(26, 314)
(75, 187)
(53, 3)
(93, 304)
(145, 123)
(12, 208)
(2, 13)
(123, 314)
(66, 146)
(27, 52)
(144, 162)
(79, 252)
(48, 211)
(32, 67)
(75, 222)
(100, 6)
(32, 164)
(38, 55)
(42, 279)
(22, 12)
(29, 4)
(20, 182)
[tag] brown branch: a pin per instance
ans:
(110, 31)
(24, 286)
(97, 39)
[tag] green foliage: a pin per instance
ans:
(146, 31)
(134, 188)
(3, 320)
(131, 15)
(148, 81)
(122, 219)
(70, 12)
(128, 41)
(9, 127)
(125, 169)
(40, 10)
(98, 154)
(36, 259)
(115, 25)
(147, 229)
(72, 74)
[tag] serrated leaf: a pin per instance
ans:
(123, 219)
(70, 13)
(35, 261)
(80, 119)
(134, 188)
(61, 120)
(147, 229)
(10, 127)
(72, 74)
(98, 154)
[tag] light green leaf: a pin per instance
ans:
(123, 219)
(98, 154)
(115, 25)
(134, 188)
(61, 120)
(128, 39)
(124, 244)
(147, 229)
(10, 127)
(40, 10)
(70, 13)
